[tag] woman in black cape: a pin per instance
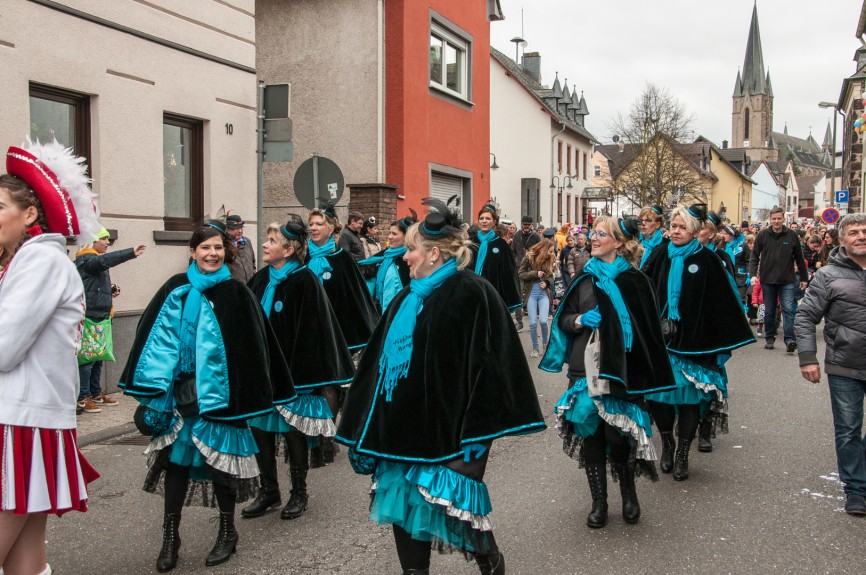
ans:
(602, 416)
(306, 327)
(389, 272)
(492, 259)
(444, 375)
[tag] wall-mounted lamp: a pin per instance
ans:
(494, 165)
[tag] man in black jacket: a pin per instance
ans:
(93, 264)
(776, 251)
(837, 295)
(522, 241)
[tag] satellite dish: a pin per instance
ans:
(615, 139)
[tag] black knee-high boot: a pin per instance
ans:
(227, 537)
(666, 461)
(269, 488)
(687, 427)
(595, 475)
(176, 481)
(628, 491)
(705, 433)
(296, 444)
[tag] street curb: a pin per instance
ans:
(106, 434)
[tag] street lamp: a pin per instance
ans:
(494, 165)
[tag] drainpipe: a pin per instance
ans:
(380, 91)
(552, 167)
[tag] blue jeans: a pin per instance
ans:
(89, 375)
(787, 294)
(846, 399)
(537, 308)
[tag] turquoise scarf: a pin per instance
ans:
(678, 254)
(275, 278)
(605, 275)
(319, 263)
(192, 308)
(735, 247)
(388, 258)
(485, 240)
(397, 351)
(650, 244)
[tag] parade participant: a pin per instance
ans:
(602, 415)
(492, 258)
(777, 250)
(243, 266)
(370, 237)
(44, 197)
(93, 263)
(693, 290)
(305, 326)
(563, 258)
(426, 404)
(203, 362)
(392, 272)
(341, 278)
(838, 296)
(536, 277)
(739, 252)
(652, 222)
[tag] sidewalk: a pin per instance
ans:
(110, 423)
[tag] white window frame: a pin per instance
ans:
(450, 36)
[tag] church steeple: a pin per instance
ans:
(754, 75)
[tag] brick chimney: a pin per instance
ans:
(532, 64)
(724, 144)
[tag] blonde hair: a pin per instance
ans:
(299, 247)
(630, 249)
(693, 224)
(450, 245)
(651, 213)
(332, 221)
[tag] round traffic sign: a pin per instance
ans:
(318, 180)
(830, 216)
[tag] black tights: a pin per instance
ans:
(414, 554)
(331, 393)
(296, 447)
(176, 482)
(595, 446)
(687, 416)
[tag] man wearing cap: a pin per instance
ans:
(350, 237)
(244, 265)
(93, 264)
(522, 241)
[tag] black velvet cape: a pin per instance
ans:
(712, 318)
(307, 329)
(499, 270)
(258, 376)
(350, 299)
(468, 380)
(645, 368)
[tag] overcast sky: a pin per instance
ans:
(611, 49)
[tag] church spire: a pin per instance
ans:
(754, 76)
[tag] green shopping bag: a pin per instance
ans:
(96, 344)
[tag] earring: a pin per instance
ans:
(433, 261)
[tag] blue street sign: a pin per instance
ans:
(841, 196)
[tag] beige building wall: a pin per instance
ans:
(730, 189)
(132, 82)
(328, 50)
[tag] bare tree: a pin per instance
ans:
(655, 167)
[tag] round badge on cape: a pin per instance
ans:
(495, 250)
(326, 276)
(693, 268)
(278, 306)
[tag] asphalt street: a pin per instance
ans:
(767, 500)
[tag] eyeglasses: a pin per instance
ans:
(600, 234)
(646, 220)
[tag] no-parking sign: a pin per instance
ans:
(830, 216)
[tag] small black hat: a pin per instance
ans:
(732, 230)
(714, 218)
(549, 232)
(218, 225)
(526, 220)
(295, 229)
(698, 211)
(328, 208)
(443, 219)
(658, 209)
(234, 222)
(629, 227)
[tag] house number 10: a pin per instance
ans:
(230, 129)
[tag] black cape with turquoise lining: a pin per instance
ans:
(500, 271)
(254, 369)
(468, 380)
(644, 369)
(307, 328)
(350, 299)
(712, 318)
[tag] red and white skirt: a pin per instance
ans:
(42, 471)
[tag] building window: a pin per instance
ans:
(746, 118)
(450, 62)
(597, 171)
(60, 114)
(568, 159)
(559, 157)
(183, 172)
(568, 207)
(559, 205)
(585, 164)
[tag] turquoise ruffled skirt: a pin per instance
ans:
(585, 413)
(309, 414)
(432, 503)
(695, 384)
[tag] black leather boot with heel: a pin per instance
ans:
(666, 461)
(595, 475)
(167, 559)
(297, 504)
(628, 491)
(227, 540)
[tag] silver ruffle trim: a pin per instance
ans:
(705, 387)
(234, 465)
(644, 447)
(479, 522)
(160, 442)
(309, 426)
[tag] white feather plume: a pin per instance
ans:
(71, 172)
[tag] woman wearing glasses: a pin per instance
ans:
(608, 324)
(652, 222)
(694, 291)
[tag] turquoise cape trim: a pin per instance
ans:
(485, 240)
(557, 347)
(272, 422)
(650, 244)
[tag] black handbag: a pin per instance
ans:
(185, 395)
(669, 329)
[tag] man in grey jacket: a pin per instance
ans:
(838, 295)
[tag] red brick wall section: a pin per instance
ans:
(379, 200)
